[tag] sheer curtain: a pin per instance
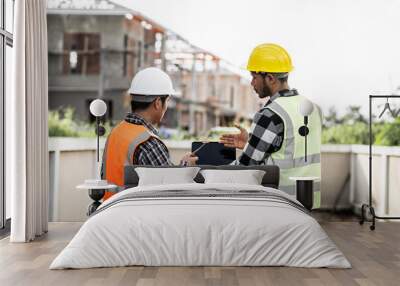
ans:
(27, 123)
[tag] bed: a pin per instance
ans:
(201, 224)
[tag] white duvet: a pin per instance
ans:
(183, 231)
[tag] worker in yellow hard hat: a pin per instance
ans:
(269, 65)
(274, 137)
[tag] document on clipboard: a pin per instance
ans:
(213, 153)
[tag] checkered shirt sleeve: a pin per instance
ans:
(265, 138)
(152, 152)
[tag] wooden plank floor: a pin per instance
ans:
(375, 257)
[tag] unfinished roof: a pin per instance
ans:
(86, 7)
(107, 7)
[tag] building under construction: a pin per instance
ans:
(96, 47)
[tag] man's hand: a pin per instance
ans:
(235, 140)
(189, 159)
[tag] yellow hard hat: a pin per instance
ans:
(269, 58)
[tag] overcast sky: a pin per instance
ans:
(342, 50)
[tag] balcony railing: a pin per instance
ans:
(344, 176)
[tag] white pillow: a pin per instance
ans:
(248, 177)
(166, 176)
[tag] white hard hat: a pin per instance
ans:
(150, 83)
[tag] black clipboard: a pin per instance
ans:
(213, 153)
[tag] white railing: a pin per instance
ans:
(344, 174)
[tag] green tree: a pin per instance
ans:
(389, 134)
(353, 115)
(61, 123)
(353, 128)
(346, 134)
(331, 119)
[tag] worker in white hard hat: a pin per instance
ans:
(135, 140)
(275, 138)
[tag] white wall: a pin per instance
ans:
(73, 160)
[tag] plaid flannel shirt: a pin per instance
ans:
(153, 151)
(266, 134)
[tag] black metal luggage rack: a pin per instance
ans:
(369, 206)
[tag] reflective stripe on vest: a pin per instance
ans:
(120, 149)
(297, 162)
(290, 158)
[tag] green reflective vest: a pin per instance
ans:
(290, 158)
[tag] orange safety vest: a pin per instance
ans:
(119, 151)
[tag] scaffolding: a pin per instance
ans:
(210, 91)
